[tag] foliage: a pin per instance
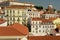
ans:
(39, 7)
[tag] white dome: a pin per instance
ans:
(50, 6)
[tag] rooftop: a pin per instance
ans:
(43, 37)
(14, 30)
(43, 20)
(17, 6)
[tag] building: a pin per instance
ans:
(49, 12)
(34, 13)
(3, 22)
(16, 12)
(2, 15)
(14, 32)
(57, 21)
(50, 9)
(47, 16)
(41, 26)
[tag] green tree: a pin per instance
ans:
(39, 7)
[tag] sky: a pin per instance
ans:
(44, 3)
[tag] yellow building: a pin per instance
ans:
(57, 21)
(17, 14)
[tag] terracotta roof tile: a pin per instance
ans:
(23, 29)
(43, 20)
(14, 30)
(18, 6)
(44, 38)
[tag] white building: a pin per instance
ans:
(17, 12)
(41, 27)
(33, 13)
(47, 16)
(3, 22)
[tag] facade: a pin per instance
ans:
(3, 22)
(2, 15)
(41, 27)
(34, 13)
(50, 9)
(17, 13)
(47, 16)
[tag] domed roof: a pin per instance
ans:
(51, 6)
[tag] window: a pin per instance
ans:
(33, 26)
(43, 30)
(36, 22)
(30, 14)
(10, 22)
(18, 19)
(33, 22)
(1, 16)
(48, 26)
(39, 23)
(18, 11)
(33, 31)
(43, 26)
(7, 11)
(13, 11)
(39, 30)
(36, 28)
(36, 31)
(11, 18)
(48, 30)
(52, 26)
(29, 10)
(39, 26)
(33, 14)
(10, 11)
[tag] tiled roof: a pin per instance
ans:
(18, 6)
(43, 20)
(14, 30)
(2, 20)
(44, 38)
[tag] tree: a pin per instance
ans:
(39, 7)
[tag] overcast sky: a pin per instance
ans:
(44, 3)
